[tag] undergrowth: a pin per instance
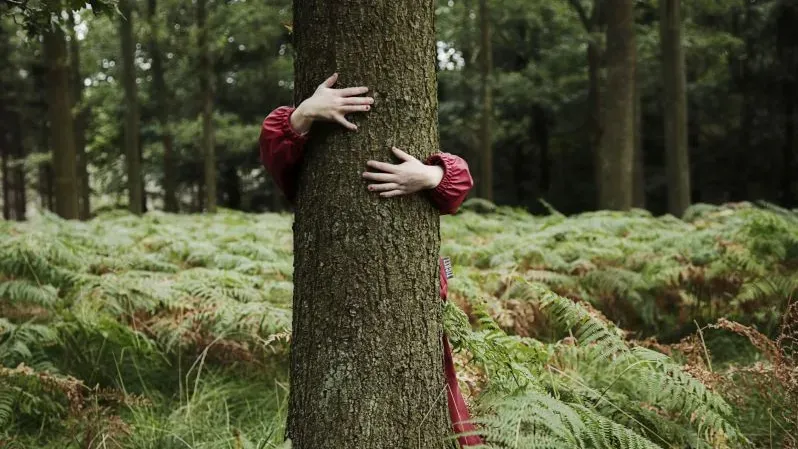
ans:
(172, 331)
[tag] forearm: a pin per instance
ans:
(301, 120)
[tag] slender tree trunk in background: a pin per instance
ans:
(542, 137)
(520, 175)
(486, 94)
(675, 101)
(79, 119)
(44, 186)
(787, 52)
(206, 90)
(200, 199)
(366, 356)
(594, 121)
(639, 196)
(62, 139)
(616, 152)
(160, 93)
(18, 172)
(5, 155)
(5, 130)
(470, 140)
(143, 184)
(132, 158)
(231, 187)
(737, 184)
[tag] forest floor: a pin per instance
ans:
(604, 329)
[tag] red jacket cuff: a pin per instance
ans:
(455, 184)
(289, 130)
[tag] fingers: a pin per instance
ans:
(352, 91)
(402, 155)
(382, 177)
(357, 100)
(330, 82)
(392, 193)
(383, 166)
(345, 123)
(385, 187)
(354, 108)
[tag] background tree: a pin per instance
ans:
(486, 96)
(132, 152)
(160, 96)
(367, 246)
(675, 101)
(206, 91)
(79, 119)
(616, 148)
(62, 139)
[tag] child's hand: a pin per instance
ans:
(405, 178)
(330, 105)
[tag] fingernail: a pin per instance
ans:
(367, 108)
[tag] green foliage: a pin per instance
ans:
(37, 15)
(654, 276)
(180, 322)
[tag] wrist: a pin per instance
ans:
(301, 120)
(434, 176)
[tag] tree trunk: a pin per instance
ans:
(616, 148)
(787, 53)
(5, 155)
(45, 186)
(639, 196)
(62, 139)
(737, 183)
(133, 159)
(486, 92)
(206, 91)
(231, 187)
(18, 172)
(593, 26)
(79, 118)
(675, 101)
(367, 360)
(159, 93)
(541, 121)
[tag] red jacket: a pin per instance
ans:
(281, 150)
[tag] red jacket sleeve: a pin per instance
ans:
(455, 184)
(281, 149)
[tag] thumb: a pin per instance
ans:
(330, 82)
(402, 155)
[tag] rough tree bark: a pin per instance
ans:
(616, 148)
(206, 90)
(675, 101)
(160, 93)
(132, 158)
(366, 368)
(79, 119)
(486, 95)
(62, 141)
